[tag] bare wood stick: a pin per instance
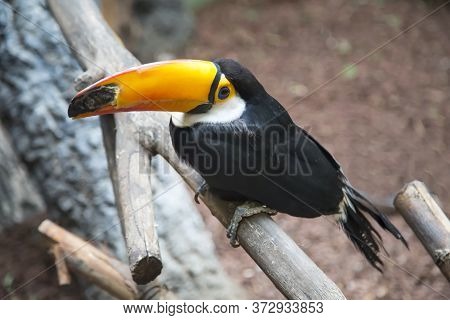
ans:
(105, 271)
(428, 221)
(289, 268)
(97, 49)
(64, 277)
(134, 198)
(100, 268)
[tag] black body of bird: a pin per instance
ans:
(264, 156)
(242, 141)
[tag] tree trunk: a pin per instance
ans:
(150, 28)
(19, 199)
(66, 158)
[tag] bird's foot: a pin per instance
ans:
(200, 191)
(245, 210)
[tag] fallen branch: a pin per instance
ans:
(84, 258)
(62, 271)
(289, 268)
(103, 270)
(428, 221)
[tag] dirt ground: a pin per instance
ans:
(387, 121)
(25, 268)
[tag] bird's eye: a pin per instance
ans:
(224, 92)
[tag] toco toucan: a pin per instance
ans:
(242, 141)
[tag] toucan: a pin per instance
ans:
(243, 142)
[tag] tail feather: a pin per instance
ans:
(378, 216)
(359, 229)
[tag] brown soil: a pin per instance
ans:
(26, 270)
(386, 121)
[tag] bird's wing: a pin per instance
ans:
(324, 151)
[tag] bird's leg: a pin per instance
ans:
(245, 210)
(201, 190)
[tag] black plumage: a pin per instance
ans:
(264, 156)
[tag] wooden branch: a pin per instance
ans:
(134, 197)
(97, 49)
(62, 271)
(428, 221)
(102, 269)
(386, 204)
(289, 268)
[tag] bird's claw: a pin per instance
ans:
(232, 234)
(247, 209)
(201, 190)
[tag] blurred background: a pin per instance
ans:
(386, 120)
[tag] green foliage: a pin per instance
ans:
(350, 71)
(196, 4)
(251, 15)
(393, 21)
(343, 46)
(7, 281)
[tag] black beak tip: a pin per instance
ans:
(72, 111)
(93, 100)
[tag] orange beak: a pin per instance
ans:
(174, 86)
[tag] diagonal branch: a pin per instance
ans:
(289, 268)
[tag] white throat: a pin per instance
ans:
(223, 112)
